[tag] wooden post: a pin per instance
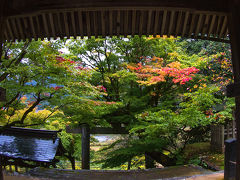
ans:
(233, 129)
(234, 27)
(16, 168)
(1, 169)
(228, 131)
(2, 25)
(10, 168)
(3, 9)
(230, 155)
(1, 31)
(85, 146)
(222, 137)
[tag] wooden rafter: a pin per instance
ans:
(149, 22)
(80, 23)
(156, 23)
(115, 22)
(103, 23)
(205, 25)
(133, 22)
(179, 21)
(199, 23)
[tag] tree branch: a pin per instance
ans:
(16, 61)
(11, 101)
(44, 120)
(30, 109)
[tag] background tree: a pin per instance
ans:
(28, 70)
(178, 103)
(165, 91)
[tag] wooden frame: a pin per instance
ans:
(86, 131)
(170, 21)
(214, 20)
(234, 26)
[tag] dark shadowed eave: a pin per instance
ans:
(32, 19)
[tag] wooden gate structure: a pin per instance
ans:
(86, 131)
(220, 133)
(217, 20)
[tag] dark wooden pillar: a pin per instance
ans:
(234, 27)
(3, 9)
(1, 169)
(230, 159)
(85, 146)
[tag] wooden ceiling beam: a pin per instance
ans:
(179, 21)
(164, 21)
(9, 29)
(156, 23)
(126, 14)
(205, 25)
(66, 24)
(52, 25)
(219, 22)
(80, 23)
(73, 22)
(88, 21)
(59, 25)
(38, 28)
(103, 23)
(224, 26)
(27, 30)
(199, 23)
(149, 22)
(15, 28)
(117, 22)
(170, 29)
(212, 25)
(140, 31)
(192, 24)
(19, 26)
(133, 22)
(185, 23)
(45, 25)
(6, 36)
(110, 23)
(17, 7)
(95, 24)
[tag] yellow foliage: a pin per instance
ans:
(176, 65)
(35, 115)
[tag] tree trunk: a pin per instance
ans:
(72, 160)
(162, 158)
(149, 162)
(129, 164)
